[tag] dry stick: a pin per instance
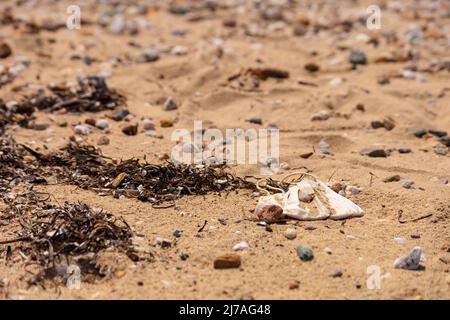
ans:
(400, 213)
(15, 240)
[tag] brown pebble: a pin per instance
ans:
(312, 67)
(337, 186)
(306, 155)
(294, 285)
(5, 50)
(130, 130)
(360, 107)
(393, 178)
(337, 273)
(226, 261)
(269, 213)
(90, 122)
(103, 141)
(165, 123)
(415, 235)
(229, 23)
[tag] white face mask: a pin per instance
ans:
(311, 199)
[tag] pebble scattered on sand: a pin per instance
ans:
(82, 130)
(404, 150)
(407, 184)
(357, 56)
(255, 120)
(148, 55)
(148, 124)
(39, 126)
(227, 261)
(321, 116)
(5, 50)
(294, 285)
(163, 243)
(130, 130)
(170, 104)
(269, 213)
(290, 234)
(337, 273)
(410, 261)
(102, 124)
(240, 246)
(374, 152)
(103, 141)
(120, 114)
(305, 253)
(392, 178)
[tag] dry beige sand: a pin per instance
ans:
(198, 82)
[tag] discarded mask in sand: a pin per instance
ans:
(306, 199)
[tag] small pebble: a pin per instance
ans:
(179, 51)
(163, 243)
(357, 56)
(321, 116)
(130, 130)
(420, 133)
(294, 285)
(5, 50)
(103, 141)
(312, 67)
(437, 133)
(269, 213)
(255, 120)
(328, 250)
(337, 273)
(240, 246)
(407, 184)
(39, 126)
(184, 256)
(82, 130)
(290, 234)
(177, 233)
(227, 261)
(102, 124)
(411, 261)
(148, 124)
(415, 235)
(120, 114)
(165, 123)
(404, 150)
(148, 55)
(393, 178)
(374, 152)
(305, 253)
(170, 104)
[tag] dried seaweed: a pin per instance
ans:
(91, 94)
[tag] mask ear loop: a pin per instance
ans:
(266, 186)
(302, 175)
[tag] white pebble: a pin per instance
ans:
(240, 246)
(290, 234)
(82, 130)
